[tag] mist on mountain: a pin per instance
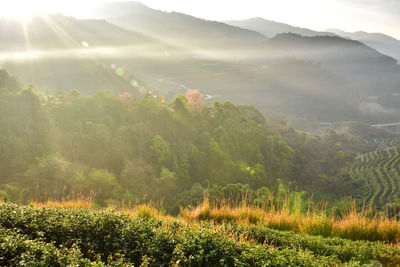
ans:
(127, 46)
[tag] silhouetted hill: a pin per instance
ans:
(271, 28)
(381, 42)
(116, 9)
(373, 73)
(176, 28)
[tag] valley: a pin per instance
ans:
(145, 134)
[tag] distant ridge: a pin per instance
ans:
(373, 72)
(176, 28)
(271, 28)
(383, 43)
(117, 9)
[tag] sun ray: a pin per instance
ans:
(28, 49)
(68, 40)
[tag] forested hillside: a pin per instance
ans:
(127, 148)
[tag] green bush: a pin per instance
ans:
(18, 250)
(86, 237)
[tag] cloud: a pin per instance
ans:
(386, 6)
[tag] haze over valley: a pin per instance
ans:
(278, 68)
(188, 133)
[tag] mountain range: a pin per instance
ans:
(271, 28)
(381, 42)
(279, 68)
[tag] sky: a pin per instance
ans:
(349, 15)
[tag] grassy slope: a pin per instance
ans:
(147, 239)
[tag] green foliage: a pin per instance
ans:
(162, 151)
(59, 237)
(375, 176)
(145, 148)
(345, 250)
(137, 178)
(8, 82)
(103, 183)
(19, 250)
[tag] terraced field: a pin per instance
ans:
(381, 169)
(395, 141)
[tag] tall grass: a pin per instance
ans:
(353, 224)
(284, 214)
(143, 210)
(76, 201)
(80, 201)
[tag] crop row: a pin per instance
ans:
(107, 236)
(83, 235)
(19, 250)
(381, 170)
(345, 250)
(394, 141)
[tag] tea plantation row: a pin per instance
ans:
(55, 237)
(381, 170)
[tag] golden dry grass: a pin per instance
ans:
(64, 204)
(143, 210)
(353, 225)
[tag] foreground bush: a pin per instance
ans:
(18, 250)
(112, 238)
(345, 250)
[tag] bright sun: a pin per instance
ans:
(24, 9)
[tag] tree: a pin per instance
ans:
(138, 178)
(195, 99)
(180, 104)
(161, 150)
(103, 183)
(125, 97)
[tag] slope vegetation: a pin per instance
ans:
(381, 171)
(89, 237)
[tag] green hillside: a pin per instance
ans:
(380, 172)
(129, 148)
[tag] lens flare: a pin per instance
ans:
(134, 83)
(119, 72)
